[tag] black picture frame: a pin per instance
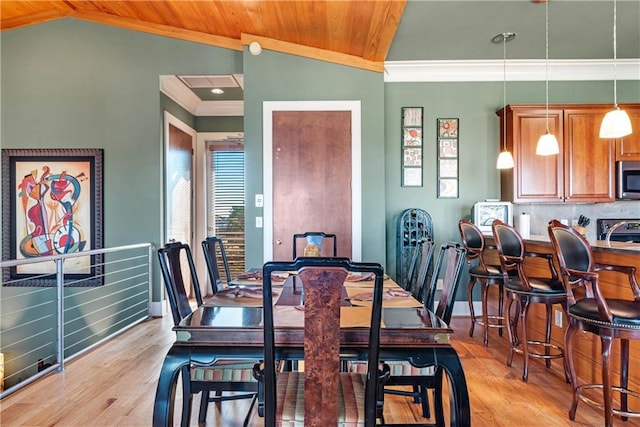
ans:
(52, 203)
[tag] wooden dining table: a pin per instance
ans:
(227, 328)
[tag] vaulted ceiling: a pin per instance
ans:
(354, 32)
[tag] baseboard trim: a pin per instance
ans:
(158, 308)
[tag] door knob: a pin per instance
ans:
(278, 242)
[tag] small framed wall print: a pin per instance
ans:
(412, 116)
(411, 146)
(448, 188)
(412, 157)
(448, 168)
(413, 136)
(412, 177)
(447, 128)
(448, 148)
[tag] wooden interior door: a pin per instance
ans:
(311, 178)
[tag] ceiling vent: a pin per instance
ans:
(195, 82)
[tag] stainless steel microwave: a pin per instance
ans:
(628, 180)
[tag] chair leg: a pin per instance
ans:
(510, 325)
(424, 401)
(547, 335)
(606, 380)
(470, 286)
(186, 396)
(569, 334)
(500, 308)
(204, 404)
(484, 289)
(624, 375)
(524, 311)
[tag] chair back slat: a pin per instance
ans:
(322, 302)
(421, 266)
(214, 255)
(323, 247)
(447, 272)
(173, 257)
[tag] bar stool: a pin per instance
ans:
(525, 290)
(486, 274)
(608, 318)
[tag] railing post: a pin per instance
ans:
(150, 280)
(60, 290)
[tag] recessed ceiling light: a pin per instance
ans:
(217, 91)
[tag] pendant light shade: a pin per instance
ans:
(616, 123)
(547, 144)
(505, 159)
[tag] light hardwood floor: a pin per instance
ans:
(114, 385)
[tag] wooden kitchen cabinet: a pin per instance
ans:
(628, 148)
(583, 171)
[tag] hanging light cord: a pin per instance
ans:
(504, 89)
(546, 63)
(615, 90)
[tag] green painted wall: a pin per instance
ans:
(70, 83)
(273, 76)
(220, 124)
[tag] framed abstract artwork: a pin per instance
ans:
(51, 205)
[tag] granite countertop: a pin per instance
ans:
(597, 245)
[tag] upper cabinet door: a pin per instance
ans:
(628, 148)
(588, 159)
(534, 178)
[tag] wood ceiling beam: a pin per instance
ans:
(159, 29)
(33, 19)
(313, 53)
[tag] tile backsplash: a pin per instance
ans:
(542, 213)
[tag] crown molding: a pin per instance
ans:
(176, 90)
(516, 70)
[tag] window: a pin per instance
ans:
(225, 210)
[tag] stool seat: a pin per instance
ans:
(491, 271)
(536, 286)
(624, 313)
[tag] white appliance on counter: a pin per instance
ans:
(483, 213)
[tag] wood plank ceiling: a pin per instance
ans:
(351, 32)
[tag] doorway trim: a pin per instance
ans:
(268, 108)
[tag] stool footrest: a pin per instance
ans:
(493, 321)
(600, 405)
(559, 352)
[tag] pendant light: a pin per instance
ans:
(616, 123)
(505, 159)
(547, 144)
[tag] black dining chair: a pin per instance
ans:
(525, 290)
(214, 257)
(317, 239)
(446, 279)
(322, 395)
(588, 310)
(224, 375)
